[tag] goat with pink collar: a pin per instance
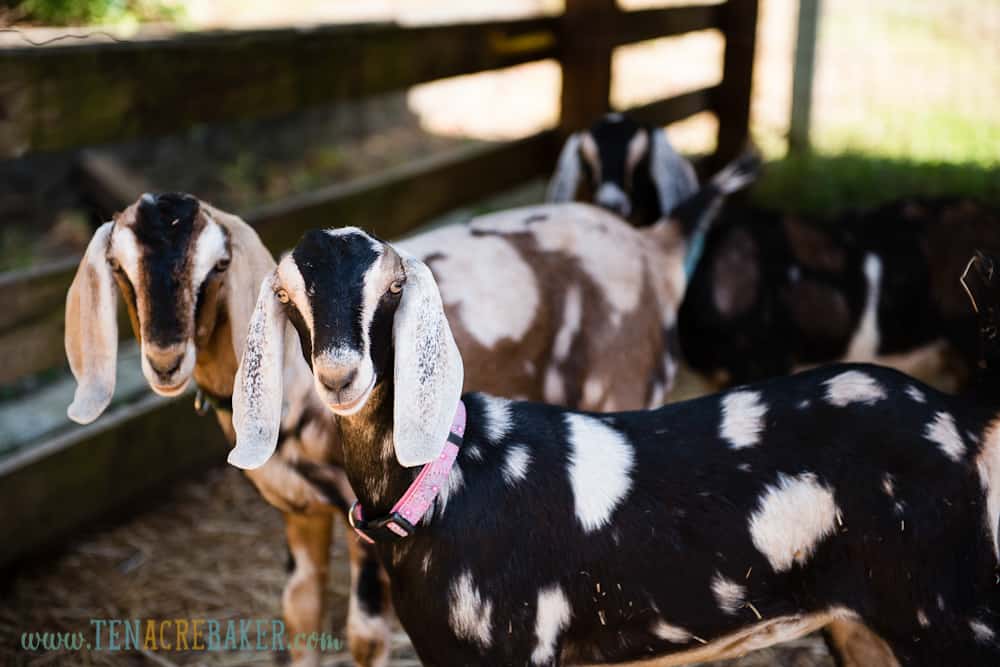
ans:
(517, 533)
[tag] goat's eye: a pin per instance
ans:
(113, 263)
(396, 286)
(282, 296)
(222, 264)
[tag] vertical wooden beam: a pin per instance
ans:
(732, 101)
(585, 37)
(802, 79)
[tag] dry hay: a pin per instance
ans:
(212, 549)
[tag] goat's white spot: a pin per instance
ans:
(922, 618)
(940, 602)
(425, 563)
(982, 632)
(450, 487)
(470, 614)
(745, 467)
(915, 394)
(889, 485)
(742, 418)
(468, 275)
(209, 249)
(671, 633)
(474, 452)
(792, 518)
(551, 618)
(853, 387)
(988, 465)
(593, 391)
(497, 419)
(126, 250)
(942, 431)
(363, 625)
(600, 469)
(864, 344)
(804, 404)
(572, 316)
(656, 395)
(730, 595)
(554, 390)
(515, 467)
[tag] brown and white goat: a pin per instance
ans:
(188, 273)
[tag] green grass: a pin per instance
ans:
(906, 102)
(819, 183)
(94, 12)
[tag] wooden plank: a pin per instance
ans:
(647, 24)
(738, 21)
(65, 96)
(673, 109)
(107, 183)
(55, 488)
(395, 201)
(389, 203)
(586, 45)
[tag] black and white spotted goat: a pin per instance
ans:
(518, 533)
(626, 167)
(775, 292)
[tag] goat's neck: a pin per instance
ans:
(369, 454)
(216, 363)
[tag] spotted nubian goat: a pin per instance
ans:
(562, 293)
(530, 532)
(625, 167)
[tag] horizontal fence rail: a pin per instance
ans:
(60, 97)
(67, 97)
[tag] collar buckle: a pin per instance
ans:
(391, 528)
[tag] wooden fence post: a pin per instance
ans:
(732, 100)
(802, 79)
(585, 54)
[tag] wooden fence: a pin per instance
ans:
(66, 96)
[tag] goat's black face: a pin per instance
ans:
(341, 289)
(168, 257)
(615, 156)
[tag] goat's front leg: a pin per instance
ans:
(368, 631)
(852, 644)
(309, 543)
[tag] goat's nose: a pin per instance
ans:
(613, 198)
(165, 361)
(337, 380)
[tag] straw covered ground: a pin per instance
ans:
(211, 549)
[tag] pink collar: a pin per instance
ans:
(411, 508)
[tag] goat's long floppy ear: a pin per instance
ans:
(566, 180)
(257, 391)
(428, 369)
(250, 263)
(673, 175)
(92, 330)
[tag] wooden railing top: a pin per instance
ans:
(72, 95)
